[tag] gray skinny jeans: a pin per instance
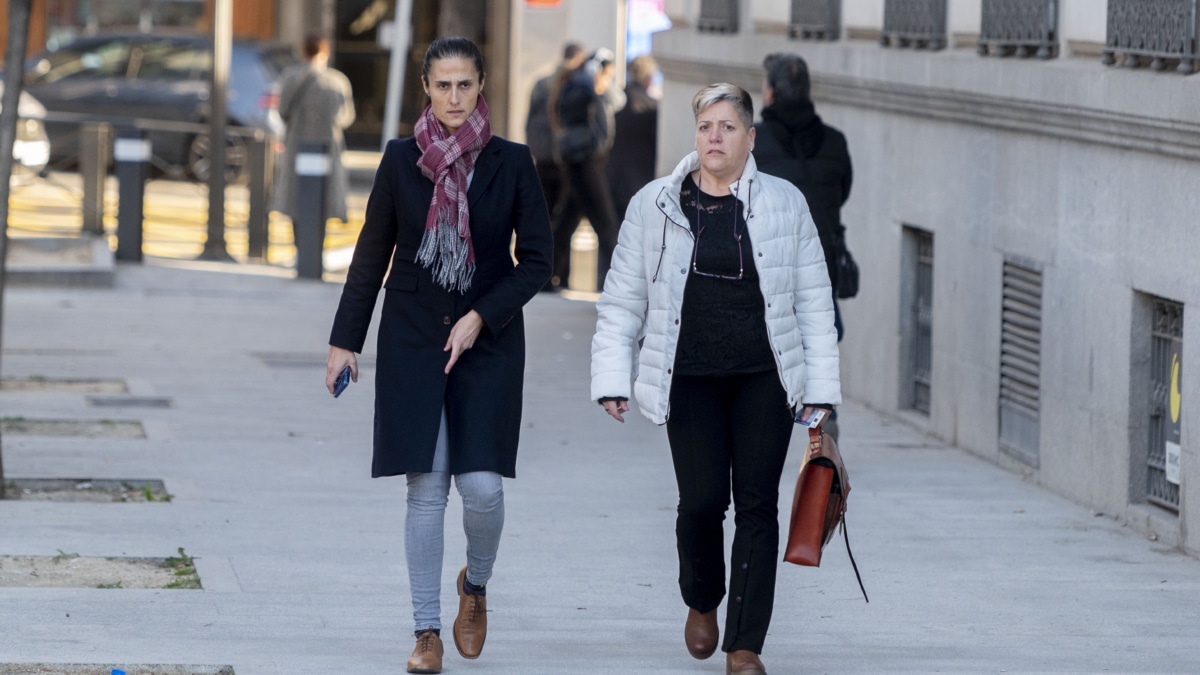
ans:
(424, 543)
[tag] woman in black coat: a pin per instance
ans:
(451, 351)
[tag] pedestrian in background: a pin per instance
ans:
(451, 353)
(538, 133)
(796, 145)
(631, 163)
(316, 104)
(582, 110)
(718, 292)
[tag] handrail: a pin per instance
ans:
(1155, 29)
(1020, 27)
(148, 124)
(920, 24)
(816, 19)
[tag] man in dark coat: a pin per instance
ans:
(632, 159)
(794, 144)
(538, 134)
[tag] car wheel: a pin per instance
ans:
(199, 158)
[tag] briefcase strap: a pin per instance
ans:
(846, 536)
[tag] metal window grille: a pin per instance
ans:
(1160, 30)
(816, 19)
(1020, 27)
(1020, 362)
(922, 354)
(920, 24)
(1165, 355)
(718, 16)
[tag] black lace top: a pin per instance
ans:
(723, 329)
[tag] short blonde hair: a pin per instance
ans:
(723, 91)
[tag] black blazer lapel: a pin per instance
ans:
(486, 166)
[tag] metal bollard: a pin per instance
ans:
(308, 227)
(131, 152)
(260, 165)
(95, 143)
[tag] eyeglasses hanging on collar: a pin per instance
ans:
(737, 235)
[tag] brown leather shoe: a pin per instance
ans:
(470, 626)
(743, 662)
(700, 632)
(427, 655)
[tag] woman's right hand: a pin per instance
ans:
(615, 408)
(336, 362)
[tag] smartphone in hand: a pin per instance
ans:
(343, 381)
(813, 420)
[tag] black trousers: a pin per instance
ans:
(585, 194)
(730, 434)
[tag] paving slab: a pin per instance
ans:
(970, 568)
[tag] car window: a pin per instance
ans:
(90, 60)
(164, 60)
(278, 59)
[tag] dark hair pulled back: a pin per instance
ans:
(451, 48)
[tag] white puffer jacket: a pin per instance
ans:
(643, 294)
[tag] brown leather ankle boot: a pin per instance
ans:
(427, 655)
(700, 632)
(743, 662)
(470, 627)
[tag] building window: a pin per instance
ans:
(916, 289)
(816, 19)
(920, 24)
(1160, 32)
(1020, 361)
(1019, 27)
(1166, 364)
(718, 16)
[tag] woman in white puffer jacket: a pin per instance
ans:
(719, 301)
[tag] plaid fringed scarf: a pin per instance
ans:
(447, 160)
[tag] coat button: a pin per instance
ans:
(739, 598)
(446, 320)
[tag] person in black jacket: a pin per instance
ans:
(794, 144)
(582, 111)
(538, 134)
(631, 162)
(450, 361)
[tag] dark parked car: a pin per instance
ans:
(157, 77)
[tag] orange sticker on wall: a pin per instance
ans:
(544, 4)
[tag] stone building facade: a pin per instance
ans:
(1022, 215)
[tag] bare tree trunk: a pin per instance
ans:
(14, 58)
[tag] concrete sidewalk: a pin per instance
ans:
(969, 568)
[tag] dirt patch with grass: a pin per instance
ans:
(19, 426)
(106, 669)
(37, 383)
(71, 570)
(85, 490)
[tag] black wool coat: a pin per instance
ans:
(794, 144)
(482, 393)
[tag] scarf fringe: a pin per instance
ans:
(448, 257)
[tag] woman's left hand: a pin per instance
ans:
(463, 336)
(808, 411)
